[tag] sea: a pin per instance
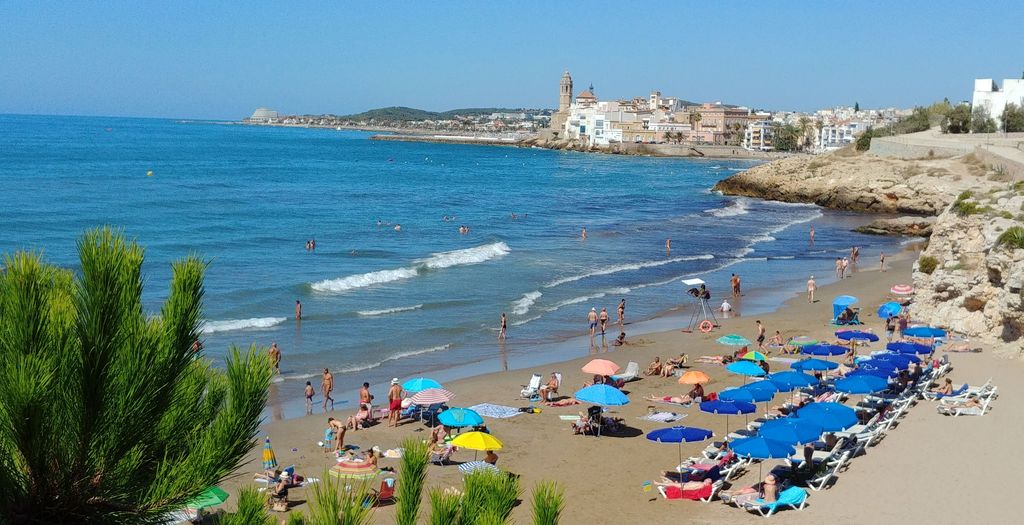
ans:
(423, 300)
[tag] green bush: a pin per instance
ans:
(927, 264)
(1012, 238)
(548, 503)
(864, 141)
(408, 494)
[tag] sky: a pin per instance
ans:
(220, 59)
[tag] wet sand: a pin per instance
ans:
(930, 468)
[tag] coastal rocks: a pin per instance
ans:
(907, 226)
(854, 182)
(976, 290)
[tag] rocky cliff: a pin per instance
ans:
(975, 287)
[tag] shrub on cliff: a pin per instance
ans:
(1012, 238)
(864, 140)
(927, 264)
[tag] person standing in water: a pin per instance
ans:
(668, 246)
(298, 310)
(622, 312)
(503, 327)
(592, 320)
(275, 357)
(326, 387)
(881, 261)
(812, 236)
(309, 397)
(583, 234)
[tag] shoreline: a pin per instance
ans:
(542, 447)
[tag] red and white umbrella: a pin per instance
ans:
(432, 396)
(902, 289)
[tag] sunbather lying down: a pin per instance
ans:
(689, 485)
(960, 347)
(681, 400)
(767, 490)
(563, 402)
(715, 359)
(969, 403)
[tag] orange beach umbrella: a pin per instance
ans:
(694, 377)
(601, 367)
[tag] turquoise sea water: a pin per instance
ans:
(377, 302)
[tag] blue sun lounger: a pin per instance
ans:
(794, 497)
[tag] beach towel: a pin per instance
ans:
(495, 411)
(663, 402)
(569, 418)
(662, 417)
(787, 360)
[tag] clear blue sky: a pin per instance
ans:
(209, 59)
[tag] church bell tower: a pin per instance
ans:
(565, 94)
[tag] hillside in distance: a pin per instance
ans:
(401, 113)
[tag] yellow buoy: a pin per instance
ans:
(149, 173)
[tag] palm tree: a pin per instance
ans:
(108, 415)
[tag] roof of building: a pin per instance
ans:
(586, 94)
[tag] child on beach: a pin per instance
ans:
(309, 397)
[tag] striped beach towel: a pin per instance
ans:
(662, 417)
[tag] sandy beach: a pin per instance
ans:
(929, 468)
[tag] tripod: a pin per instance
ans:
(701, 311)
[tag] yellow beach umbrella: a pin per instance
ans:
(269, 459)
(477, 441)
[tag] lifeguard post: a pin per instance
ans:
(701, 310)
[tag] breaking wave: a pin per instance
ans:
(231, 325)
(387, 311)
(523, 305)
(626, 267)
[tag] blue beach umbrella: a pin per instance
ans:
(733, 340)
(679, 435)
(727, 408)
(924, 331)
(890, 309)
(861, 384)
(787, 381)
(833, 417)
(761, 448)
(840, 303)
(868, 370)
(745, 368)
(900, 360)
(460, 417)
(419, 384)
(746, 395)
(602, 395)
(856, 335)
(824, 350)
(909, 348)
(792, 430)
(814, 365)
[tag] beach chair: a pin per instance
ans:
(982, 391)
(632, 373)
(793, 497)
(441, 458)
(955, 411)
(558, 383)
(820, 481)
(956, 393)
(386, 493)
(705, 493)
(532, 390)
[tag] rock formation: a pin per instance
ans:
(976, 287)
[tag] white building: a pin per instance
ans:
(758, 136)
(987, 94)
(833, 137)
(263, 115)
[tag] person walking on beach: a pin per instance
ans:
(503, 327)
(326, 387)
(839, 267)
(604, 319)
(881, 261)
(622, 311)
(394, 403)
(338, 432)
(309, 397)
(275, 357)
(811, 287)
(890, 326)
(592, 320)
(846, 267)
(760, 335)
(903, 322)
(298, 310)
(812, 236)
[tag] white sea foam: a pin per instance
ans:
(387, 311)
(400, 355)
(762, 238)
(524, 321)
(626, 267)
(230, 325)
(523, 305)
(466, 256)
(436, 261)
(363, 280)
(736, 207)
(585, 298)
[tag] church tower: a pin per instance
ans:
(565, 94)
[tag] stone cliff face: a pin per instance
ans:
(976, 287)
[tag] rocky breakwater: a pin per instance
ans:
(968, 279)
